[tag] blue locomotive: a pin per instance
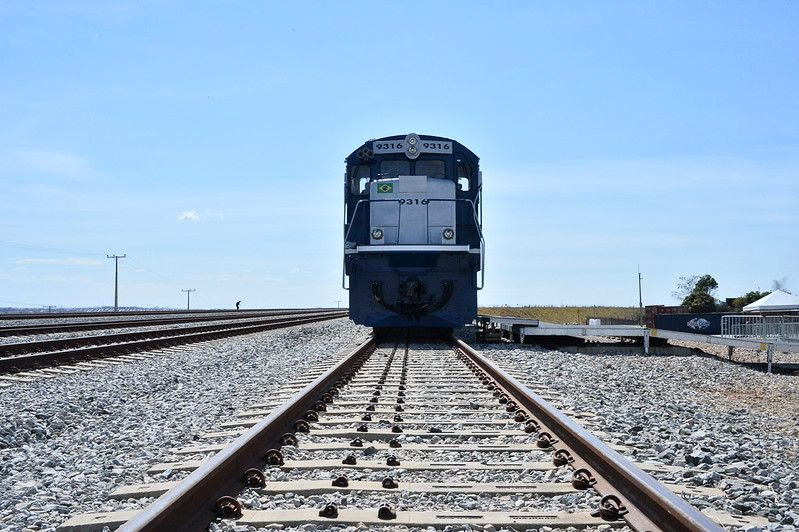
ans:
(413, 242)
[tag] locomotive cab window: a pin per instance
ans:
(359, 179)
(431, 168)
(464, 176)
(395, 168)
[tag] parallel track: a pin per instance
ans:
(27, 330)
(96, 314)
(33, 355)
(359, 415)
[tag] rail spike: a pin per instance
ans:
(610, 508)
(228, 507)
(582, 479)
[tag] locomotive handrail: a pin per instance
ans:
(474, 215)
(479, 233)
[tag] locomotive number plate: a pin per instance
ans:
(434, 146)
(389, 146)
(399, 146)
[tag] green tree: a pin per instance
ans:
(705, 285)
(700, 302)
(750, 297)
(700, 298)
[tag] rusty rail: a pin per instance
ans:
(627, 491)
(212, 488)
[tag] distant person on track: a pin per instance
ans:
(238, 305)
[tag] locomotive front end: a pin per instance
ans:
(413, 244)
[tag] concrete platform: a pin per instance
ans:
(527, 331)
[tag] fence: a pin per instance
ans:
(761, 327)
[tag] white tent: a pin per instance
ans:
(777, 301)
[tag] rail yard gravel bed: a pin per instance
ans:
(739, 353)
(735, 428)
(126, 330)
(66, 442)
(55, 319)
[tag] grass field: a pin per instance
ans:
(564, 314)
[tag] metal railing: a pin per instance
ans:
(760, 327)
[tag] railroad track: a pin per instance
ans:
(7, 316)
(25, 356)
(28, 330)
(388, 436)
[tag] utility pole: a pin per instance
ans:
(188, 296)
(640, 300)
(116, 278)
(338, 303)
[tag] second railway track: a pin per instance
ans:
(419, 434)
(134, 320)
(23, 356)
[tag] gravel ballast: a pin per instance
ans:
(75, 438)
(730, 426)
(66, 442)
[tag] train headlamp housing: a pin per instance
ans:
(412, 150)
(448, 234)
(377, 234)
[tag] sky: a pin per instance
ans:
(205, 140)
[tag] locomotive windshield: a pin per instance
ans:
(360, 174)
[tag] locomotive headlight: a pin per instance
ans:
(412, 143)
(448, 234)
(377, 234)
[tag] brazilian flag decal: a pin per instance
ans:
(385, 188)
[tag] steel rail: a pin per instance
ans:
(27, 330)
(90, 314)
(99, 339)
(33, 361)
(193, 503)
(649, 505)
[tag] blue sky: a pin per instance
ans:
(206, 141)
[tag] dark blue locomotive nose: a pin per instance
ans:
(413, 245)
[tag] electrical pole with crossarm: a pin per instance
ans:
(188, 296)
(640, 300)
(116, 278)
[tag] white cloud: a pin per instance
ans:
(190, 216)
(214, 214)
(64, 262)
(49, 162)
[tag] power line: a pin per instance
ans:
(163, 276)
(188, 296)
(29, 247)
(116, 278)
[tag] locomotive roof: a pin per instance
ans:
(455, 143)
